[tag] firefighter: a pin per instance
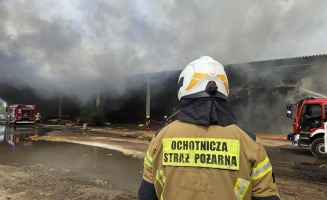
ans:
(148, 122)
(166, 119)
(204, 154)
(37, 119)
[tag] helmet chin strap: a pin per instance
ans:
(211, 88)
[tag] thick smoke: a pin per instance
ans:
(260, 93)
(315, 83)
(69, 47)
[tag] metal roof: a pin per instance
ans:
(283, 62)
(288, 64)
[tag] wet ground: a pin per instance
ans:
(122, 171)
(66, 169)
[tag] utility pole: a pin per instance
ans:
(148, 98)
(98, 96)
(60, 105)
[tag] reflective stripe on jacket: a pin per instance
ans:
(188, 161)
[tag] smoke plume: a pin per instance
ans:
(67, 47)
(73, 48)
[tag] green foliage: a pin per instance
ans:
(93, 116)
(2, 109)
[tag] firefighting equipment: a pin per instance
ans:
(203, 77)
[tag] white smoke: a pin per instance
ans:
(68, 47)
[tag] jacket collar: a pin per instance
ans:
(206, 111)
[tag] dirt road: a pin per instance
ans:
(298, 174)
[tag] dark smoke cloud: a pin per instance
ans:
(68, 47)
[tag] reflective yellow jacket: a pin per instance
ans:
(37, 117)
(188, 161)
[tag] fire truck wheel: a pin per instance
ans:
(318, 148)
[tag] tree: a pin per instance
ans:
(2, 109)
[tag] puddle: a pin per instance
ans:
(19, 135)
(123, 172)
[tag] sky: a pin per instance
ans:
(65, 47)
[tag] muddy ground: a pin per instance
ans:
(298, 174)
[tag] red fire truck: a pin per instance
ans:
(310, 124)
(21, 114)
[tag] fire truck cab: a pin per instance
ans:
(310, 124)
(21, 114)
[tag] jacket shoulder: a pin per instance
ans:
(159, 130)
(249, 133)
(163, 129)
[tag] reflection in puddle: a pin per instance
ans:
(123, 172)
(19, 135)
(2, 133)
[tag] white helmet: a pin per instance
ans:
(203, 77)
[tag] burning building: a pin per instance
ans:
(259, 93)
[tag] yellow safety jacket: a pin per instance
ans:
(186, 161)
(37, 117)
(196, 162)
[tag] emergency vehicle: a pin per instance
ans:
(21, 114)
(310, 125)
